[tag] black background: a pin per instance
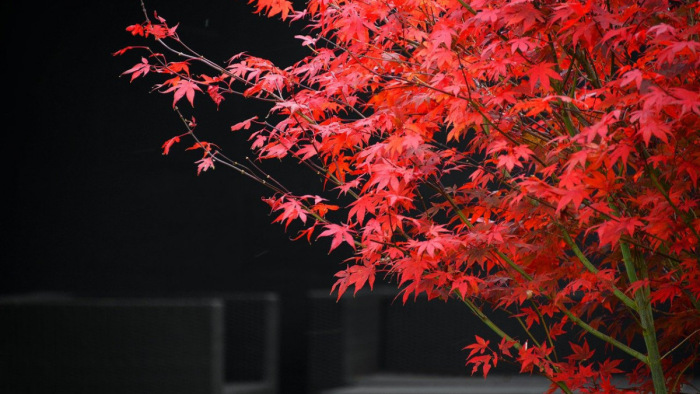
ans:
(95, 209)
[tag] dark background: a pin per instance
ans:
(95, 210)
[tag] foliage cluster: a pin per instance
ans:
(538, 157)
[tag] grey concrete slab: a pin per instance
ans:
(494, 384)
(412, 384)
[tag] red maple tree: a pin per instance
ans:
(536, 157)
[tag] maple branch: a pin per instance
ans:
(582, 57)
(494, 327)
(545, 326)
(532, 336)
(277, 187)
(641, 297)
(681, 373)
(575, 319)
(604, 337)
(441, 189)
(212, 65)
(242, 169)
(680, 343)
(317, 168)
(590, 267)
(662, 190)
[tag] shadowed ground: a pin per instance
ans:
(414, 384)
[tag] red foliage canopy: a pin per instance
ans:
(541, 157)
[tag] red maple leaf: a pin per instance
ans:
(274, 7)
(169, 143)
(340, 234)
(204, 164)
(139, 70)
(183, 88)
(541, 73)
(244, 124)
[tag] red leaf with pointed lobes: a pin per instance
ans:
(610, 231)
(136, 30)
(508, 161)
(356, 275)
(292, 209)
(139, 70)
(322, 209)
(183, 88)
(306, 232)
(665, 292)
(580, 352)
(203, 145)
(340, 234)
(574, 195)
(204, 164)
(169, 143)
(125, 49)
(689, 101)
(541, 73)
(479, 347)
(244, 124)
(504, 346)
(534, 357)
(213, 92)
(273, 7)
(530, 315)
(635, 76)
(177, 67)
(484, 361)
(609, 367)
(159, 31)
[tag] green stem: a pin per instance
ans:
(485, 319)
(546, 330)
(663, 192)
(641, 297)
(534, 340)
(590, 267)
(640, 356)
(657, 184)
(521, 271)
(590, 71)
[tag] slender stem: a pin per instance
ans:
(546, 330)
(598, 334)
(640, 356)
(641, 297)
(532, 336)
(663, 192)
(485, 319)
(590, 267)
(680, 343)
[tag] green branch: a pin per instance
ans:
(641, 297)
(591, 268)
(485, 319)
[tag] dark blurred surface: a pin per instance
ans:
(111, 346)
(95, 210)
